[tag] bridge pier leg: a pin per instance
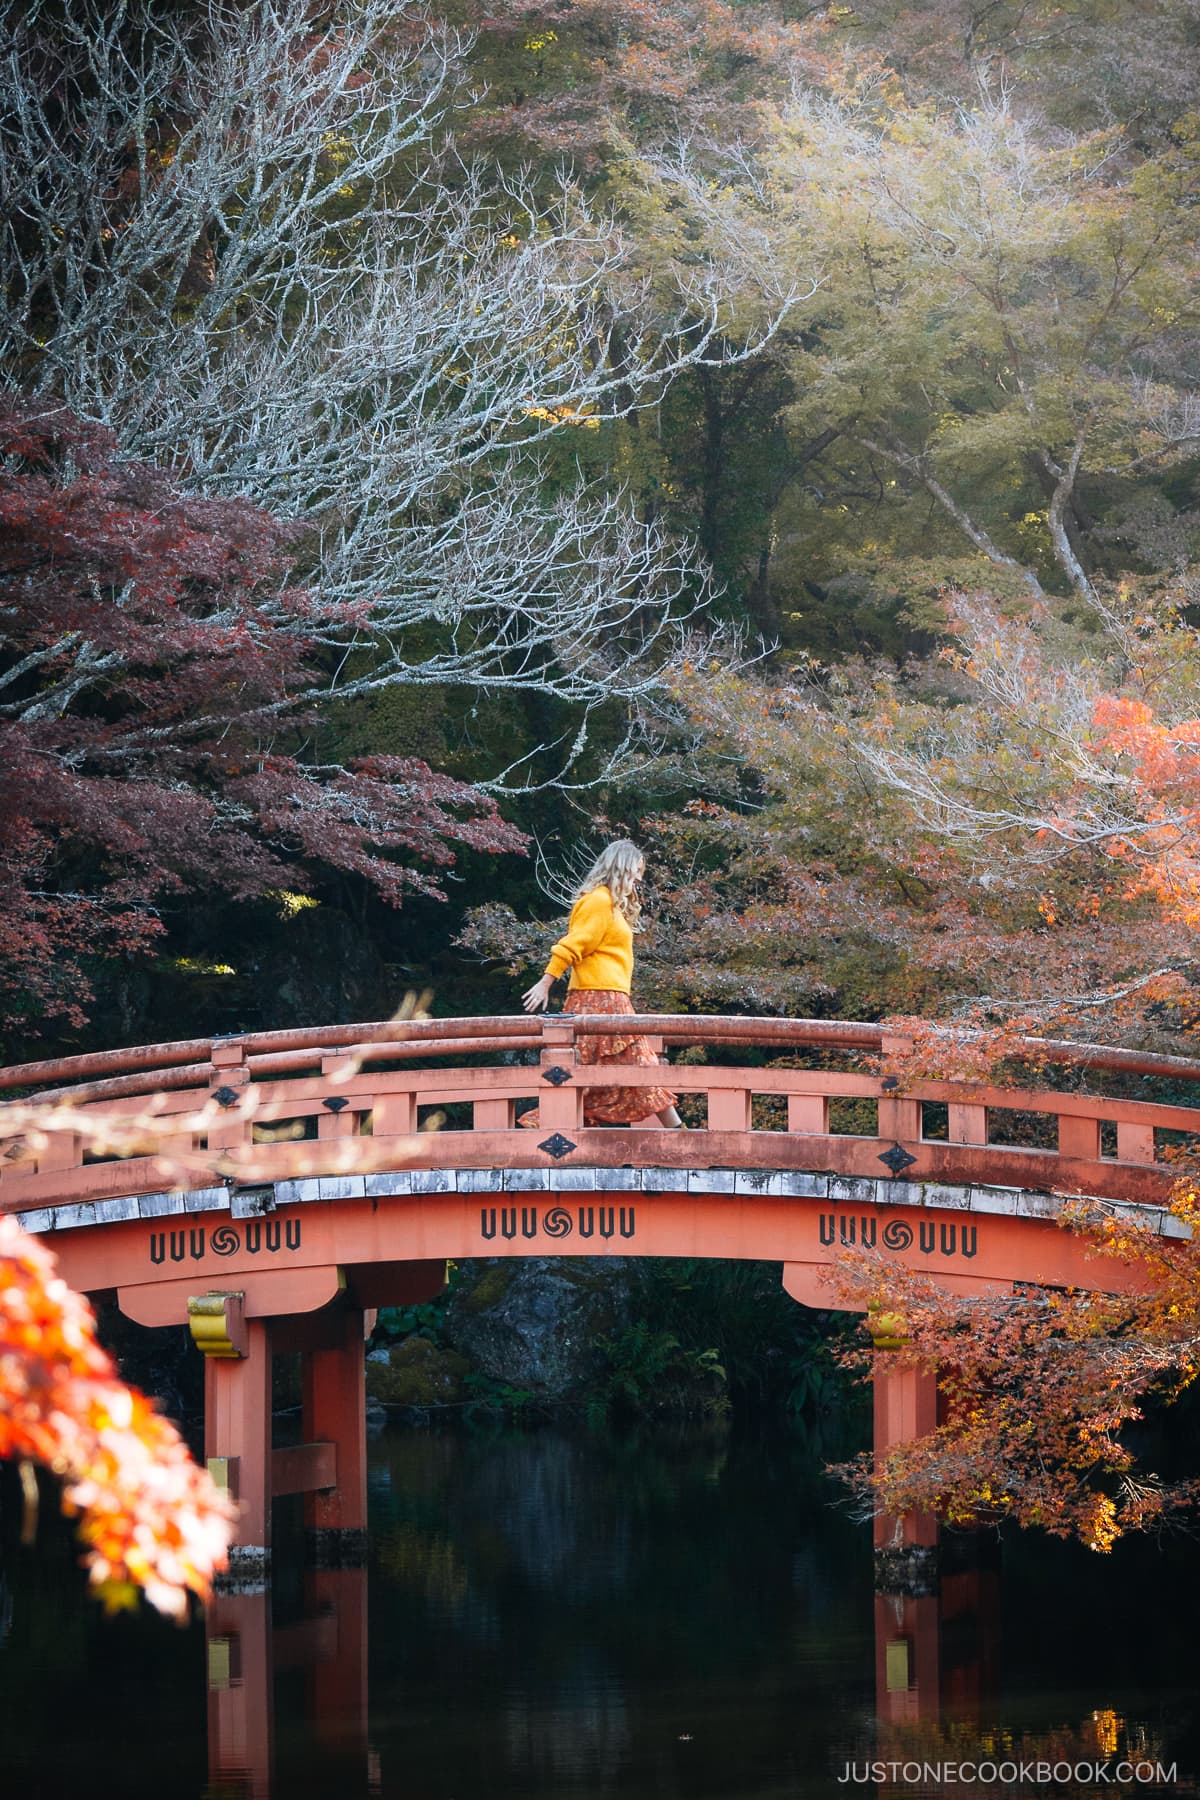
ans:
(335, 1411)
(237, 1441)
(906, 1547)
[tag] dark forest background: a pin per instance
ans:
(436, 441)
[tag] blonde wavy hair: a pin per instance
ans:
(619, 867)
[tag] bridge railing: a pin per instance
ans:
(344, 1099)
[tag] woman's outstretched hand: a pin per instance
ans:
(535, 998)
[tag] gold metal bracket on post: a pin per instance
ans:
(217, 1323)
(897, 1666)
(224, 1471)
(889, 1330)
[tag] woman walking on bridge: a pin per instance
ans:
(598, 950)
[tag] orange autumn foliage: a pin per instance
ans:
(1039, 1386)
(149, 1518)
(1159, 758)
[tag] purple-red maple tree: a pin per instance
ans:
(157, 683)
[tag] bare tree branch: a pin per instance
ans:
(917, 465)
(250, 247)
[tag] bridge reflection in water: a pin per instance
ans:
(563, 1615)
(246, 1651)
(937, 1653)
(935, 1660)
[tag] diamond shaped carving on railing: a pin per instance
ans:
(337, 1103)
(225, 1096)
(557, 1145)
(556, 1075)
(897, 1159)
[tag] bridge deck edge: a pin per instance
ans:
(972, 1197)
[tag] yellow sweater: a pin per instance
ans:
(598, 947)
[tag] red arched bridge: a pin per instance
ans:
(271, 1189)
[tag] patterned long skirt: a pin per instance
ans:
(611, 1105)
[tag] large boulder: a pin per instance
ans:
(533, 1322)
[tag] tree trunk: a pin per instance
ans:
(712, 465)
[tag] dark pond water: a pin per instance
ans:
(560, 1617)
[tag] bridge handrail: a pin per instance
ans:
(358, 1097)
(187, 1062)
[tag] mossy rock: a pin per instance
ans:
(489, 1290)
(537, 1323)
(418, 1373)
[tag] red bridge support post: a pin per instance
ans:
(906, 1407)
(329, 1467)
(237, 1440)
(335, 1412)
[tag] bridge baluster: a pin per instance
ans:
(560, 1108)
(1135, 1143)
(337, 1071)
(493, 1115)
(229, 1129)
(63, 1150)
(1078, 1137)
(809, 1112)
(394, 1115)
(968, 1123)
(728, 1109)
(899, 1118)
